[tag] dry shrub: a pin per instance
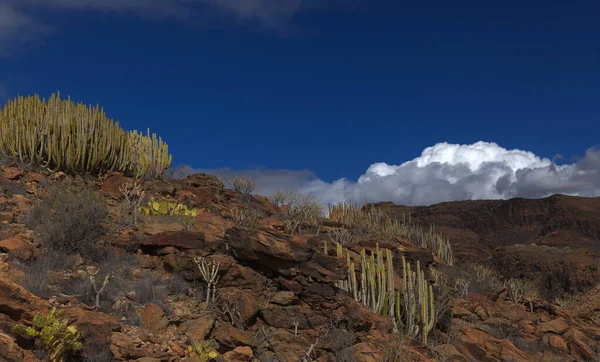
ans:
(121, 279)
(248, 216)
(484, 279)
(71, 220)
(244, 186)
(299, 209)
(342, 236)
(38, 278)
(341, 342)
(177, 172)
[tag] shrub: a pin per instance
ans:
(341, 341)
(242, 185)
(71, 220)
(341, 236)
(485, 280)
(299, 209)
(64, 136)
(37, 272)
(248, 216)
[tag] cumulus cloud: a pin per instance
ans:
(450, 172)
(20, 22)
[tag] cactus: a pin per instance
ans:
(202, 351)
(53, 334)
(64, 136)
(377, 222)
(167, 207)
(410, 307)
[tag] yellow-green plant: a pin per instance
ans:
(410, 307)
(203, 351)
(62, 135)
(53, 334)
(375, 221)
(167, 207)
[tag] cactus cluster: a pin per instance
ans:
(377, 222)
(167, 207)
(64, 136)
(53, 334)
(202, 351)
(411, 307)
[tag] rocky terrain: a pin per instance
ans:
(278, 296)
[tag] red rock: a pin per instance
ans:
(232, 337)
(19, 245)
(12, 173)
(558, 342)
(198, 329)
(95, 326)
(557, 326)
(112, 183)
(153, 318)
(11, 352)
(284, 298)
(180, 239)
(18, 303)
(239, 354)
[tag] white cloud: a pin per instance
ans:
(20, 22)
(449, 172)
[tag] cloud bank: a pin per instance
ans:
(449, 172)
(22, 24)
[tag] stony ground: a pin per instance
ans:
(277, 297)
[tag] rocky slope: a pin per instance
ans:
(277, 297)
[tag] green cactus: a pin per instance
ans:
(64, 136)
(411, 307)
(167, 207)
(53, 334)
(203, 351)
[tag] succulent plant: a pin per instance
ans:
(167, 207)
(53, 334)
(64, 136)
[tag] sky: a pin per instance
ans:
(414, 102)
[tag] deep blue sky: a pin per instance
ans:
(337, 89)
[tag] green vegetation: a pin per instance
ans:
(53, 334)
(411, 307)
(202, 351)
(64, 136)
(167, 207)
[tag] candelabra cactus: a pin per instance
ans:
(64, 136)
(410, 307)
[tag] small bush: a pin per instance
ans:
(242, 185)
(298, 209)
(484, 279)
(121, 282)
(341, 341)
(38, 272)
(248, 216)
(71, 220)
(151, 289)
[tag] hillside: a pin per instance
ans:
(230, 278)
(555, 239)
